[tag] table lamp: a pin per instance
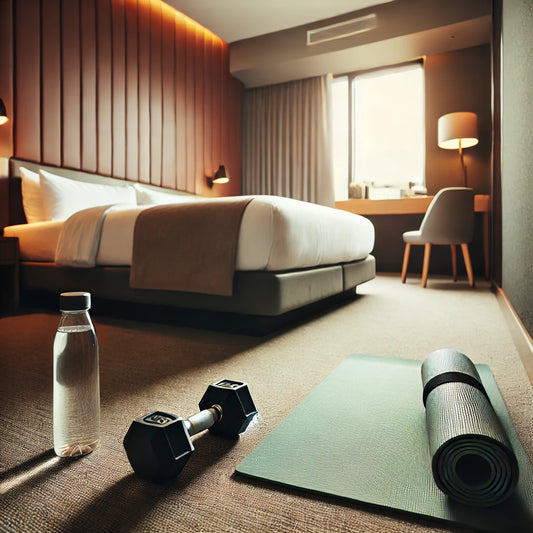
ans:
(457, 131)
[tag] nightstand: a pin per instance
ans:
(9, 274)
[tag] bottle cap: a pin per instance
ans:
(73, 301)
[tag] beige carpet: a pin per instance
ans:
(147, 366)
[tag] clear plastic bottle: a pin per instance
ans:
(76, 379)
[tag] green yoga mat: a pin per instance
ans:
(361, 435)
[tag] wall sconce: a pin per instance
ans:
(3, 113)
(457, 131)
(221, 176)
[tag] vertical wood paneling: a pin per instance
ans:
(71, 76)
(104, 87)
(27, 80)
(7, 33)
(198, 111)
(156, 93)
(132, 92)
(119, 88)
(168, 169)
(181, 100)
(128, 88)
(88, 86)
(224, 116)
(144, 91)
(217, 126)
(51, 82)
(207, 109)
(190, 105)
(233, 152)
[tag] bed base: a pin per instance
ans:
(262, 301)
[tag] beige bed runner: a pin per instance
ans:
(188, 247)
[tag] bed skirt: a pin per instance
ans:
(258, 294)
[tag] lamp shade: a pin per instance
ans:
(221, 175)
(458, 130)
(3, 113)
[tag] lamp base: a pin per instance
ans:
(463, 166)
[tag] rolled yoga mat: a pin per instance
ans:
(361, 435)
(471, 457)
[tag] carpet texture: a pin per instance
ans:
(145, 366)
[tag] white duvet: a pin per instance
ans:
(276, 234)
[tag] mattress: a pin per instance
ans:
(276, 233)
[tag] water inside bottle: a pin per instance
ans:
(76, 391)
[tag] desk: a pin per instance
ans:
(418, 205)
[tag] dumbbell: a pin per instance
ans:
(158, 445)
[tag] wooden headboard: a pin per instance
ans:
(14, 198)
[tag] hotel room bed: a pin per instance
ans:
(289, 254)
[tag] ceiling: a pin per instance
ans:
(233, 20)
(269, 38)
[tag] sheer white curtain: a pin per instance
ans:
(286, 141)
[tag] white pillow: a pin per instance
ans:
(63, 197)
(31, 196)
(147, 196)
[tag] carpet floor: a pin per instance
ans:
(146, 366)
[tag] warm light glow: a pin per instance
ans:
(457, 130)
(223, 179)
(3, 120)
(170, 11)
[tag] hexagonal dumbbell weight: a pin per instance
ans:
(158, 445)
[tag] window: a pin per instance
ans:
(378, 130)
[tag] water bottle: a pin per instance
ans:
(76, 379)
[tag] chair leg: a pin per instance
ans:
(425, 267)
(468, 264)
(454, 261)
(405, 260)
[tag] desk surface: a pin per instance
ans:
(402, 206)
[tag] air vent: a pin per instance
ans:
(342, 29)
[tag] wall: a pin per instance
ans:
(517, 158)
(6, 93)
(127, 88)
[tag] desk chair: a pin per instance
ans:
(448, 220)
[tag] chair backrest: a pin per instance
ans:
(450, 217)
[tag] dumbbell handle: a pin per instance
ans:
(203, 420)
